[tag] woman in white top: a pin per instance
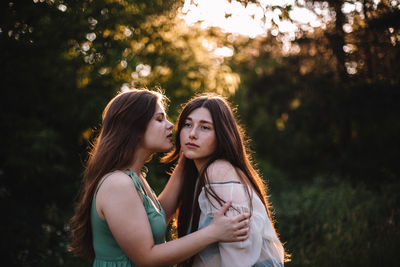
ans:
(119, 221)
(217, 170)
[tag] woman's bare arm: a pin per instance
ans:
(169, 196)
(122, 208)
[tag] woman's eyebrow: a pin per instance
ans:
(201, 121)
(160, 113)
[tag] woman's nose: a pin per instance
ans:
(192, 133)
(169, 125)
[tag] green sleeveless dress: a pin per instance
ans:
(107, 251)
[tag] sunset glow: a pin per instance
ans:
(233, 17)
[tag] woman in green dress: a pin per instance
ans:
(119, 221)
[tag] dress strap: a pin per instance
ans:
(131, 174)
(227, 182)
(140, 187)
(136, 180)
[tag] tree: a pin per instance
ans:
(323, 120)
(54, 86)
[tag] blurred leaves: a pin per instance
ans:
(331, 223)
(324, 121)
(52, 93)
(320, 105)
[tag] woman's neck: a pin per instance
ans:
(199, 163)
(139, 160)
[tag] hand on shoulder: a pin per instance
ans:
(222, 170)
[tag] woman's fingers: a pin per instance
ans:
(241, 238)
(231, 229)
(242, 232)
(181, 158)
(243, 224)
(224, 208)
(241, 227)
(242, 217)
(225, 227)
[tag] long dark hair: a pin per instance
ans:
(231, 146)
(124, 123)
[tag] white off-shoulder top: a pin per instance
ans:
(262, 248)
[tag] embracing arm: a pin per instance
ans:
(122, 208)
(169, 196)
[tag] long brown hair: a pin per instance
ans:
(231, 146)
(124, 123)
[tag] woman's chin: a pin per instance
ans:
(165, 149)
(169, 148)
(189, 156)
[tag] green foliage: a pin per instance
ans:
(330, 112)
(328, 222)
(319, 120)
(52, 94)
(323, 128)
(318, 112)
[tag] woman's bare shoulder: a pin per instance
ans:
(222, 171)
(117, 181)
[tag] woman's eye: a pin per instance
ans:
(186, 124)
(205, 127)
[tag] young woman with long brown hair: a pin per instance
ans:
(118, 220)
(217, 169)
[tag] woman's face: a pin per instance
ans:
(197, 137)
(158, 135)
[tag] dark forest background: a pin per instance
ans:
(322, 116)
